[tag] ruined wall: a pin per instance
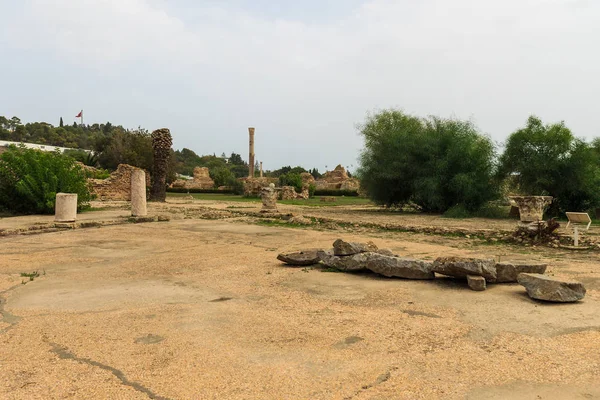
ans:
(289, 193)
(253, 186)
(117, 186)
(201, 180)
(337, 179)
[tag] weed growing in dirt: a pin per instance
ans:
(329, 269)
(30, 275)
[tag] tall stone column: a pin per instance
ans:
(138, 193)
(251, 155)
(261, 172)
(65, 208)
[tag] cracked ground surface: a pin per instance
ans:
(196, 309)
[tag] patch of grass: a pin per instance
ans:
(340, 201)
(215, 197)
(488, 212)
(30, 275)
(330, 269)
(279, 223)
(313, 202)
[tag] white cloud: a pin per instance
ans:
(310, 83)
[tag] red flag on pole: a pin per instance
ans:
(80, 114)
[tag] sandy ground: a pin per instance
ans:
(199, 309)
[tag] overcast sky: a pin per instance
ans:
(304, 73)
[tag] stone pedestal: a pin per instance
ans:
(268, 195)
(138, 193)
(65, 209)
(531, 208)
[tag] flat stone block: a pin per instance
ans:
(476, 283)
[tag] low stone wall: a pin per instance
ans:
(117, 186)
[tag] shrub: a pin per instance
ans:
(550, 160)
(311, 190)
(30, 179)
(435, 163)
(97, 173)
(291, 179)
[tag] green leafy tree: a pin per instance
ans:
(291, 179)
(222, 176)
(432, 162)
(30, 179)
(549, 160)
(236, 159)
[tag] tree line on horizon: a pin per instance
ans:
(113, 145)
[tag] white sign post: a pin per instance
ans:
(577, 219)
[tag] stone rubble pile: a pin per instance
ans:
(352, 257)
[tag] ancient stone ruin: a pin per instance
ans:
(478, 273)
(65, 208)
(138, 193)
(337, 179)
(253, 186)
(531, 208)
(201, 180)
(269, 195)
(116, 187)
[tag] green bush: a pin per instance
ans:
(292, 179)
(97, 174)
(30, 179)
(311, 190)
(549, 160)
(435, 163)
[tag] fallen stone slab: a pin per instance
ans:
(397, 267)
(386, 252)
(300, 258)
(356, 262)
(543, 287)
(342, 248)
(476, 283)
(460, 267)
(508, 271)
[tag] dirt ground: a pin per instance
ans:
(201, 309)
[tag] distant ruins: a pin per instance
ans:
(202, 180)
(337, 179)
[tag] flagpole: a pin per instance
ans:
(81, 117)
